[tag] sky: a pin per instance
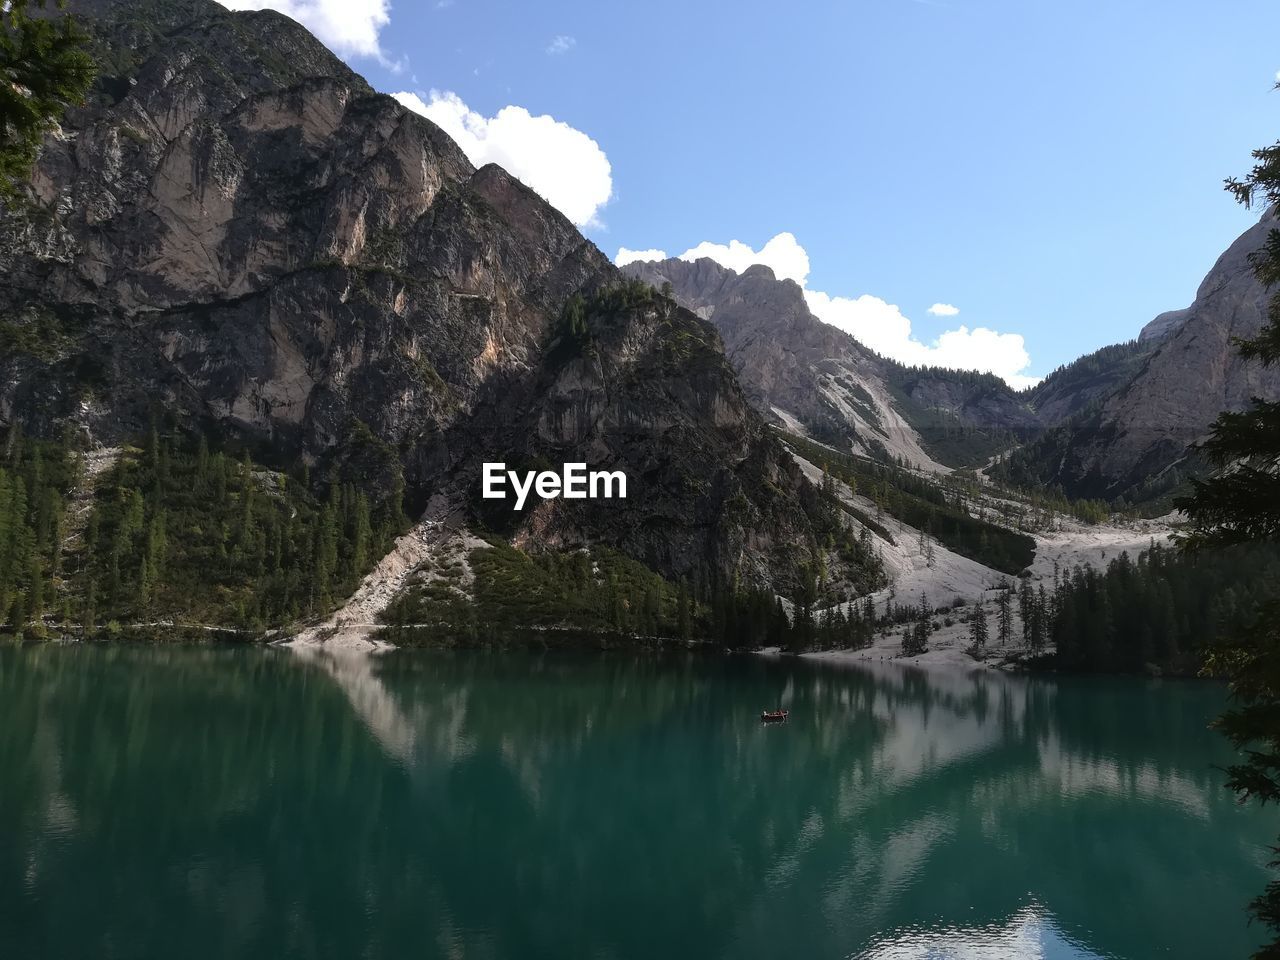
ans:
(988, 184)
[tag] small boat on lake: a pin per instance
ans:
(773, 716)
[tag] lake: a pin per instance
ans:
(252, 803)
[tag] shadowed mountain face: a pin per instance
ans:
(236, 233)
(1166, 389)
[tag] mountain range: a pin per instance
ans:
(1120, 423)
(236, 239)
(237, 234)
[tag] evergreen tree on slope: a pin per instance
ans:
(1241, 504)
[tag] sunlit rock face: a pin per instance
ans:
(1112, 422)
(1190, 371)
(237, 231)
(810, 376)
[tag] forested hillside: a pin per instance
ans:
(963, 417)
(1161, 610)
(233, 233)
(185, 534)
(926, 505)
(35, 478)
(175, 533)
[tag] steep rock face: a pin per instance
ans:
(1107, 425)
(1163, 325)
(795, 368)
(237, 232)
(972, 399)
(1189, 371)
(1081, 385)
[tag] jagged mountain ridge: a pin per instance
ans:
(809, 374)
(1108, 425)
(1165, 390)
(237, 231)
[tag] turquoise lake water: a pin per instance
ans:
(218, 802)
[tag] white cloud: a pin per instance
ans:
(879, 325)
(885, 329)
(561, 163)
(561, 44)
(349, 28)
(783, 255)
(626, 256)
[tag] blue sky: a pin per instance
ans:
(1053, 170)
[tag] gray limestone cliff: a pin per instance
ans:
(806, 373)
(238, 233)
(1137, 437)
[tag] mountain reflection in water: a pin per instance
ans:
(1029, 935)
(248, 802)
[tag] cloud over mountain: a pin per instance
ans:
(350, 28)
(564, 165)
(880, 325)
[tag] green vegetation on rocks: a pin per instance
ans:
(926, 506)
(1158, 612)
(44, 68)
(499, 593)
(175, 533)
(34, 479)
(192, 535)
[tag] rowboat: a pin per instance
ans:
(773, 716)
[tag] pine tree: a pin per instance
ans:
(45, 69)
(828, 484)
(89, 616)
(1241, 504)
(915, 638)
(978, 629)
(361, 535)
(1026, 610)
(684, 617)
(1039, 620)
(1005, 623)
(144, 585)
(35, 594)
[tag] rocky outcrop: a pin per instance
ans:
(237, 234)
(1187, 371)
(1078, 387)
(1163, 325)
(808, 374)
(1111, 424)
(790, 363)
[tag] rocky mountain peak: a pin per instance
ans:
(238, 235)
(810, 376)
(1135, 437)
(1232, 269)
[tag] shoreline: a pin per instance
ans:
(359, 642)
(346, 638)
